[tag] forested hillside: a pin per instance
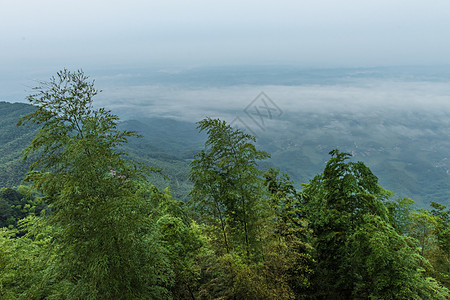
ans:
(13, 141)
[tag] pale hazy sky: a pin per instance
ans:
(52, 34)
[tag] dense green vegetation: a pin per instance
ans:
(91, 224)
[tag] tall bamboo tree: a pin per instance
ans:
(227, 185)
(106, 243)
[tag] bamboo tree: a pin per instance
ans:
(359, 253)
(107, 245)
(227, 184)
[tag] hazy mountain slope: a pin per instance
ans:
(13, 140)
(166, 144)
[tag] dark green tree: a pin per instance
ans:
(184, 242)
(227, 188)
(388, 264)
(6, 211)
(400, 212)
(16, 204)
(442, 214)
(335, 203)
(359, 253)
(230, 201)
(440, 257)
(288, 258)
(106, 242)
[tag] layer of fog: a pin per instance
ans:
(361, 97)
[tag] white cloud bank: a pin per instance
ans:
(359, 97)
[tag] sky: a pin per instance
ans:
(51, 34)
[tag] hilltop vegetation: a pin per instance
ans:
(92, 225)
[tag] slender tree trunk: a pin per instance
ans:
(247, 246)
(222, 224)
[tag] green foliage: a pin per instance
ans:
(335, 203)
(359, 254)
(288, 254)
(423, 228)
(258, 235)
(438, 241)
(184, 245)
(25, 260)
(227, 185)
(399, 213)
(16, 204)
(166, 144)
(430, 229)
(388, 264)
(184, 242)
(442, 215)
(108, 246)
